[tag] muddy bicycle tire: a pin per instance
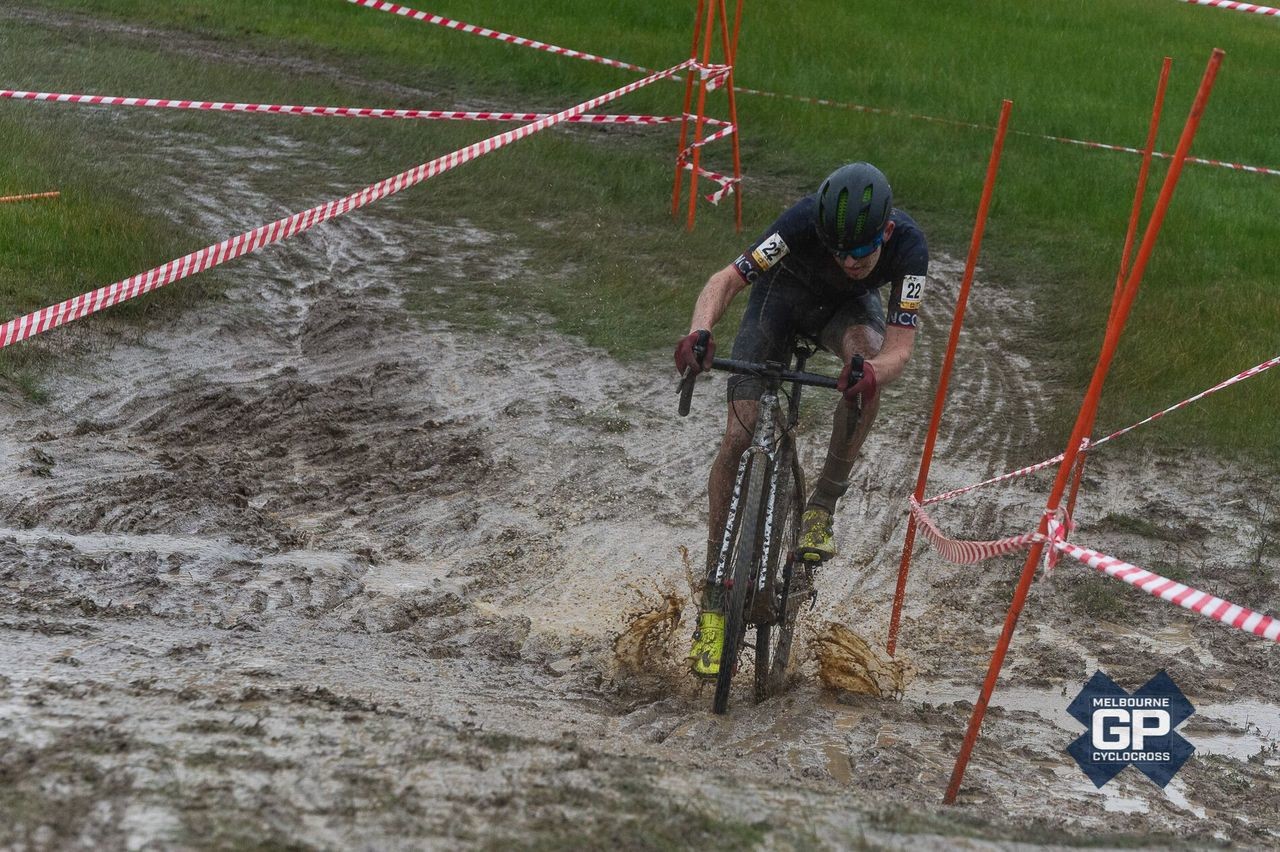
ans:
(744, 558)
(773, 659)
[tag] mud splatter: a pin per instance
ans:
(645, 641)
(848, 662)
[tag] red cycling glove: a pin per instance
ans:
(687, 359)
(851, 386)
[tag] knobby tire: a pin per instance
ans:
(745, 554)
(771, 669)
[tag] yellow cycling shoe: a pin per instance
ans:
(708, 645)
(817, 537)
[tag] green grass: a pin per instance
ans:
(619, 273)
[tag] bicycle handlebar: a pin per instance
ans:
(763, 370)
(747, 368)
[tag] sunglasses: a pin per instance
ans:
(862, 251)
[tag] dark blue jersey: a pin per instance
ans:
(790, 252)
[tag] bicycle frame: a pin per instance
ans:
(765, 448)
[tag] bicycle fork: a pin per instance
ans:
(759, 447)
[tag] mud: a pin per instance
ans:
(305, 567)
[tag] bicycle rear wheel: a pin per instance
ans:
(773, 660)
(745, 556)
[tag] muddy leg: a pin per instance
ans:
(737, 437)
(847, 438)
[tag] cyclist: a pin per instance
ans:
(817, 272)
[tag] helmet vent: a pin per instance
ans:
(842, 207)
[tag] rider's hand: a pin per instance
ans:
(687, 359)
(852, 385)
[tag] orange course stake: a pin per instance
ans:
(731, 59)
(939, 401)
(698, 122)
(705, 22)
(1138, 194)
(684, 113)
(1088, 409)
(6, 199)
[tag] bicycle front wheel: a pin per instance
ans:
(741, 573)
(773, 661)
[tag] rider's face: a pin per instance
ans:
(858, 268)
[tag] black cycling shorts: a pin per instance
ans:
(779, 312)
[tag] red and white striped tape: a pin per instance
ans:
(1087, 444)
(1236, 7)
(7, 199)
(440, 20)
(53, 316)
(968, 552)
(494, 34)
(1239, 377)
(1240, 167)
(726, 183)
(1187, 597)
(331, 111)
(1172, 591)
(1004, 477)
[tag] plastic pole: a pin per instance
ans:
(684, 113)
(697, 127)
(1087, 409)
(730, 55)
(1138, 195)
(9, 199)
(940, 398)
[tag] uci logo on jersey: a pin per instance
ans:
(770, 252)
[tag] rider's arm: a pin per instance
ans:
(715, 297)
(893, 357)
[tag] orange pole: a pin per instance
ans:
(1138, 195)
(1087, 410)
(698, 123)
(730, 53)
(29, 197)
(940, 398)
(684, 113)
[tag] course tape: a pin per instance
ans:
(7, 199)
(968, 552)
(53, 316)
(1240, 167)
(343, 112)
(1237, 7)
(721, 77)
(1087, 444)
(440, 20)
(1239, 377)
(1184, 596)
(1187, 597)
(725, 183)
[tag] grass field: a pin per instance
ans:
(620, 273)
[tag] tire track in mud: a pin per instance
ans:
(369, 569)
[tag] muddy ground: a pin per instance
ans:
(306, 569)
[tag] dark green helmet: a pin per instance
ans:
(853, 207)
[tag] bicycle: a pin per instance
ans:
(760, 588)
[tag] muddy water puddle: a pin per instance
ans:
(371, 581)
(1250, 728)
